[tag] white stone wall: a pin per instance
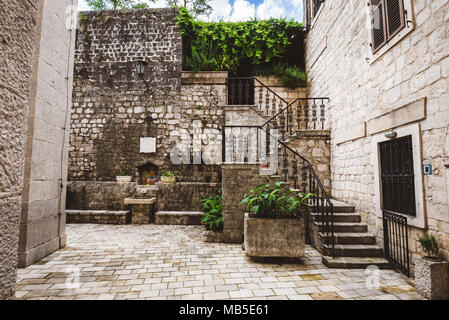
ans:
(417, 67)
(42, 226)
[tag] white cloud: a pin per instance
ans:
(271, 8)
(221, 11)
(243, 10)
(240, 10)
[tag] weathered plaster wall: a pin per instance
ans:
(113, 107)
(42, 224)
(16, 52)
(417, 67)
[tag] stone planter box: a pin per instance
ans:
(124, 179)
(432, 278)
(168, 180)
(215, 236)
(274, 238)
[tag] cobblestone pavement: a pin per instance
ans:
(174, 262)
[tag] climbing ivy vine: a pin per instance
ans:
(225, 46)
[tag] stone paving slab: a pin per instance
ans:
(147, 262)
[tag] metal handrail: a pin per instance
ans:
(290, 105)
(322, 203)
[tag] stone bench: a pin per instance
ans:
(98, 216)
(179, 217)
(142, 209)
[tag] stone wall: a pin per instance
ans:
(275, 84)
(103, 195)
(42, 226)
(113, 107)
(360, 90)
(34, 56)
(16, 53)
(314, 146)
(98, 195)
(233, 192)
(185, 196)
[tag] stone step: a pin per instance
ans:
(352, 227)
(98, 216)
(355, 262)
(350, 238)
(179, 217)
(341, 207)
(353, 250)
(338, 217)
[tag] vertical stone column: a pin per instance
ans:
(42, 223)
(16, 53)
(238, 179)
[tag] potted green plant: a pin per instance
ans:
(213, 217)
(431, 272)
(168, 177)
(122, 177)
(274, 224)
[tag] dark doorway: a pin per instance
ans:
(398, 199)
(398, 179)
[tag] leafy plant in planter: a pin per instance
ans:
(429, 245)
(168, 177)
(213, 208)
(268, 201)
(168, 174)
(123, 172)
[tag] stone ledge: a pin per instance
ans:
(132, 201)
(204, 77)
(95, 212)
(313, 133)
(412, 112)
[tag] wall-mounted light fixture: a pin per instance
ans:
(391, 134)
(140, 67)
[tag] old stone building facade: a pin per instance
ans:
(35, 93)
(403, 86)
(114, 107)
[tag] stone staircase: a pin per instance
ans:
(355, 247)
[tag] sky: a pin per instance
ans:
(241, 10)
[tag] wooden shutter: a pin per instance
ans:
(378, 29)
(394, 17)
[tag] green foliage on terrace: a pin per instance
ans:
(225, 46)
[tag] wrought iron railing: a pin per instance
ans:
(299, 115)
(396, 241)
(253, 144)
(241, 91)
(288, 117)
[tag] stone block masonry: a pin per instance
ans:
(16, 52)
(42, 226)
(113, 107)
(238, 179)
(34, 55)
